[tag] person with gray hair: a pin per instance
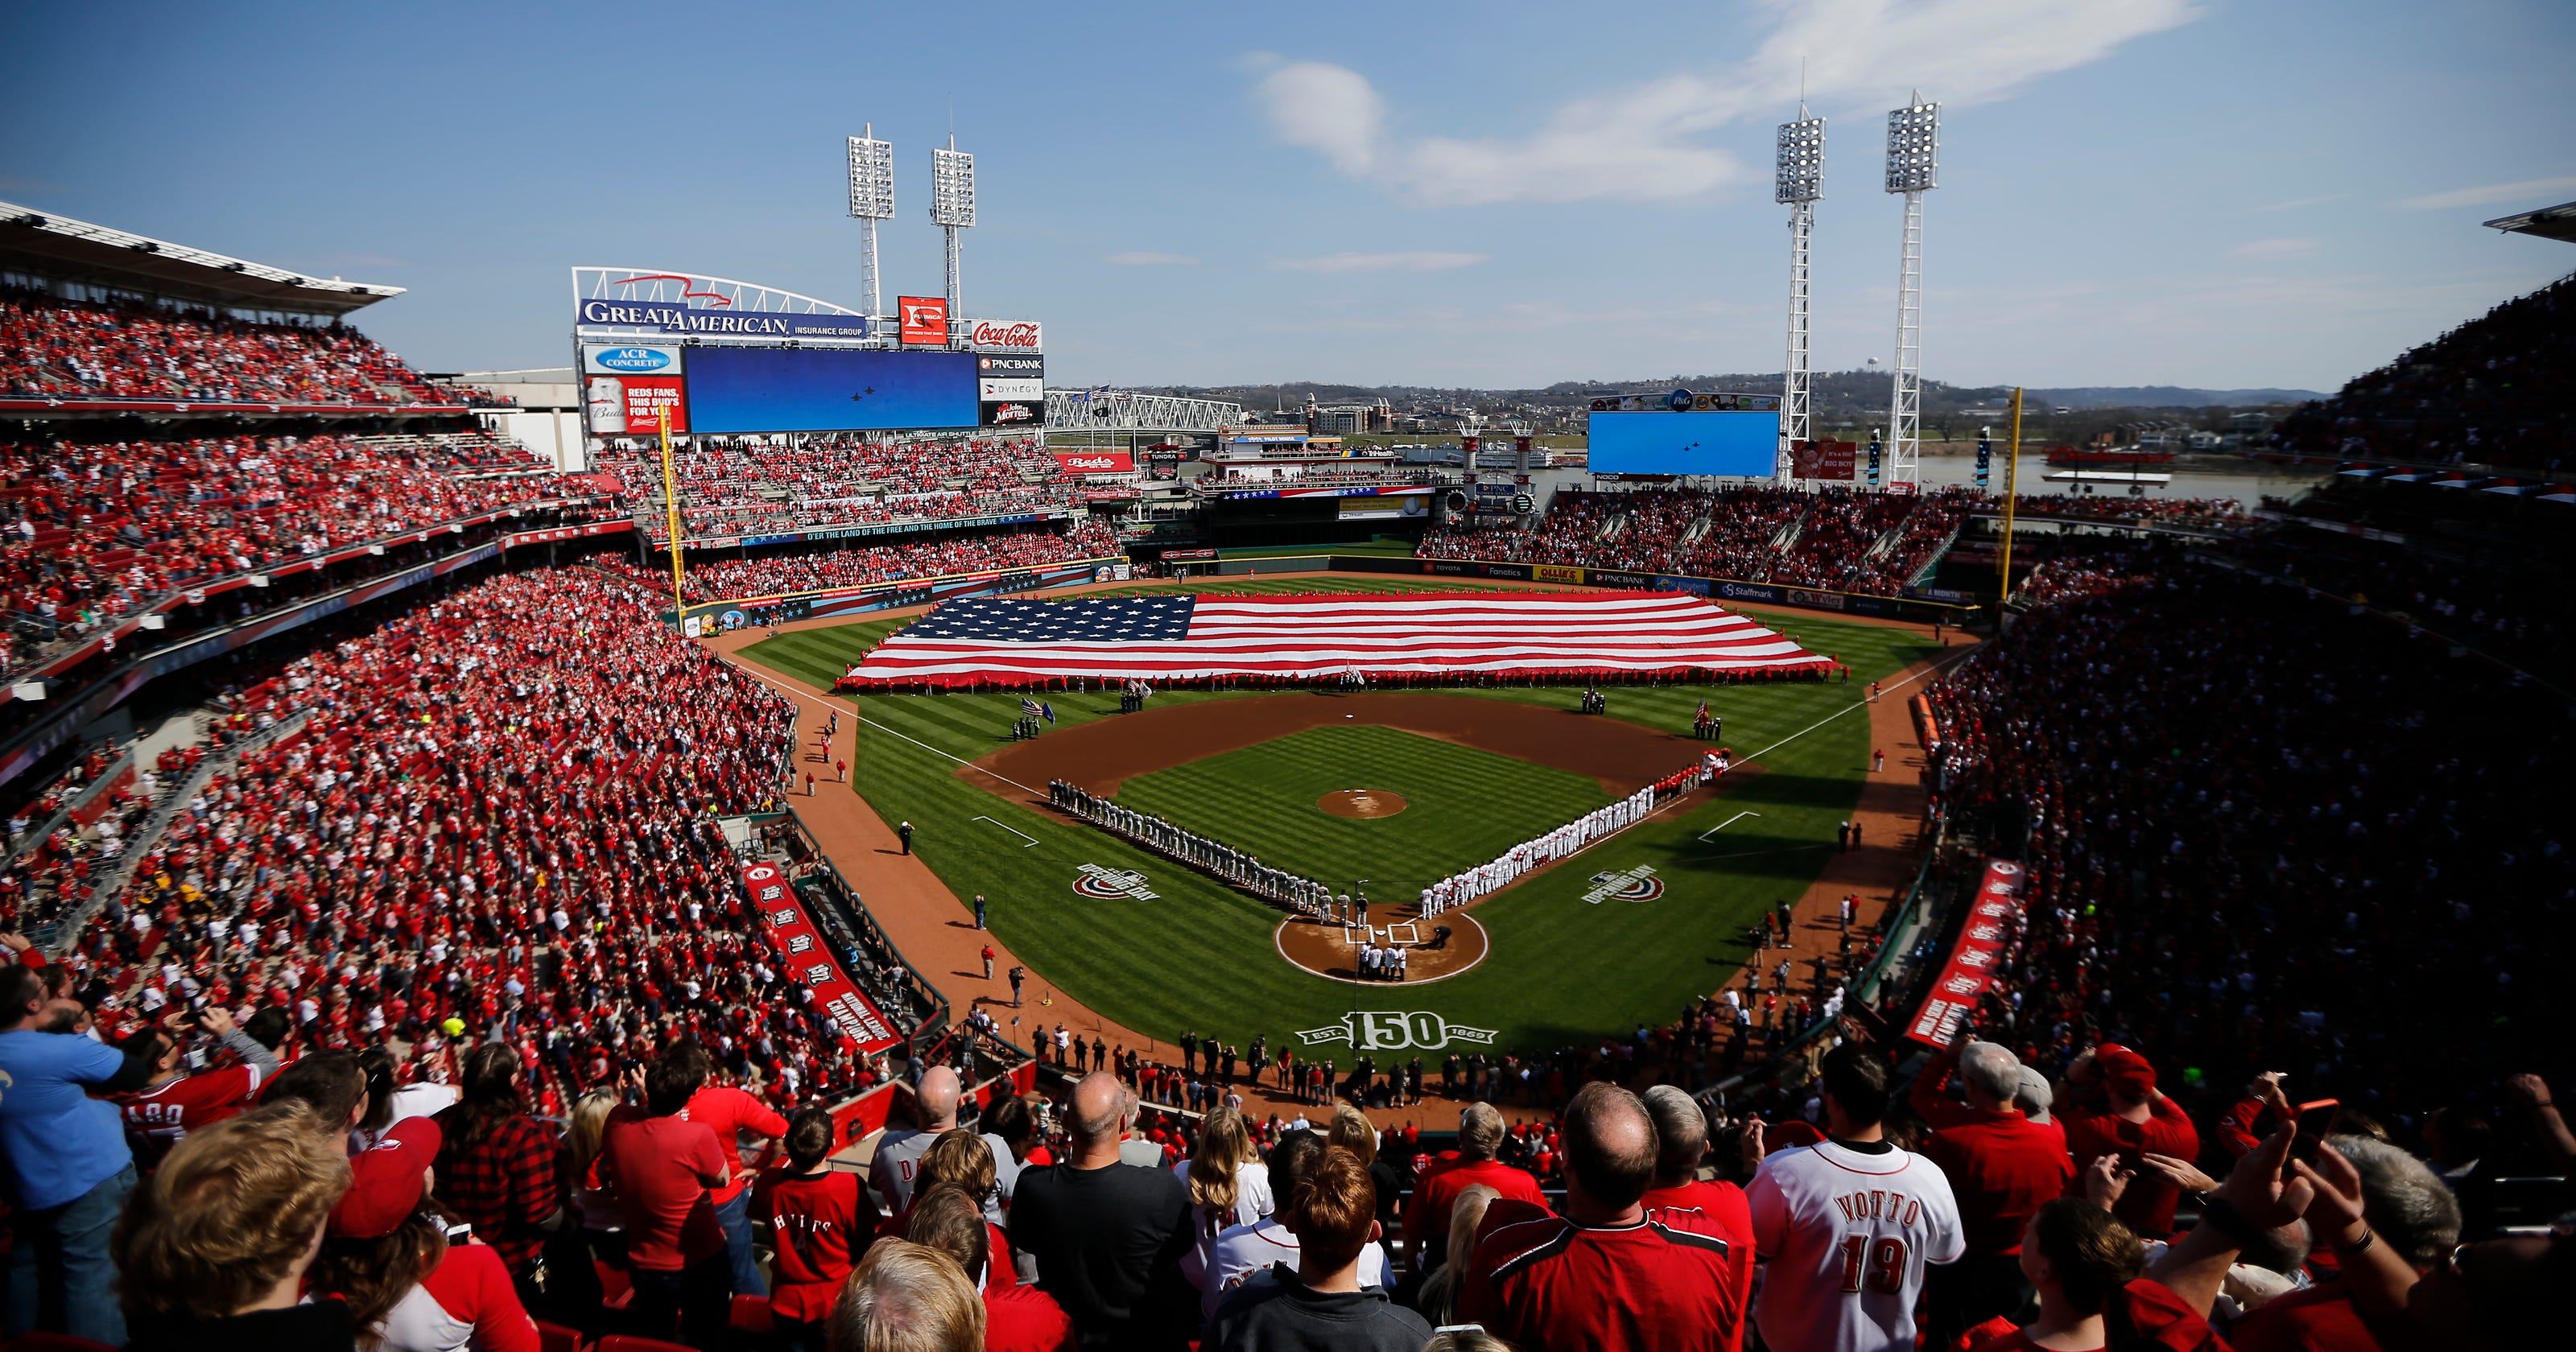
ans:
(1681, 1200)
(2002, 1168)
(1480, 1136)
(1108, 1239)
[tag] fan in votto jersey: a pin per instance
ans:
(1844, 1227)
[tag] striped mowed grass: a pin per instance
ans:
(1199, 955)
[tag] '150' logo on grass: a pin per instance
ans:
(1111, 884)
(1380, 1030)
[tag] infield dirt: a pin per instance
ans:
(1103, 754)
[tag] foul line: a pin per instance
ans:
(1728, 822)
(1934, 669)
(961, 760)
(1032, 840)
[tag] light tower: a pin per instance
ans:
(1797, 183)
(952, 206)
(1913, 168)
(871, 201)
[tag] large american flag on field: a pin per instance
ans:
(1001, 641)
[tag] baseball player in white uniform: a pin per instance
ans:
(1844, 1227)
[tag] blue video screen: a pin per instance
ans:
(1742, 444)
(779, 389)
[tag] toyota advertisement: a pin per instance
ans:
(774, 389)
(1686, 441)
(626, 387)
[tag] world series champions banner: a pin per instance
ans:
(1974, 958)
(809, 959)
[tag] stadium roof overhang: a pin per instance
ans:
(52, 245)
(2558, 223)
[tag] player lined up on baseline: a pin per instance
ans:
(1240, 867)
(1460, 888)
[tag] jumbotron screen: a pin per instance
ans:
(1744, 444)
(781, 389)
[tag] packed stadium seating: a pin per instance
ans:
(137, 350)
(927, 557)
(2490, 392)
(1873, 543)
(90, 531)
(737, 487)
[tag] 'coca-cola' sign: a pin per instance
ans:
(1008, 336)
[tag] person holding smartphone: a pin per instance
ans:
(2110, 1106)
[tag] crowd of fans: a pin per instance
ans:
(90, 532)
(2487, 393)
(739, 486)
(1873, 543)
(850, 566)
(135, 349)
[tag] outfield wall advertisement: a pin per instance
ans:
(1721, 589)
(719, 616)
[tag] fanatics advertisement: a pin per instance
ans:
(674, 317)
(779, 389)
(925, 320)
(1733, 444)
(1980, 949)
(810, 962)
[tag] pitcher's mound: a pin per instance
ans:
(1361, 803)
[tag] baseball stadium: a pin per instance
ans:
(793, 816)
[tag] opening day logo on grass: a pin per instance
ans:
(1380, 1030)
(1627, 884)
(1111, 884)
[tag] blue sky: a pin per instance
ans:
(2217, 193)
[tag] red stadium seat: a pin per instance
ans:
(557, 1338)
(751, 1314)
(57, 1342)
(627, 1342)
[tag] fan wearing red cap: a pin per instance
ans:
(390, 1256)
(2112, 1107)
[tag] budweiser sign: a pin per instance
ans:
(1007, 336)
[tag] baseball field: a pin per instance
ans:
(1623, 933)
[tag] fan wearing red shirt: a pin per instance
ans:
(2085, 1265)
(664, 1169)
(2117, 1110)
(949, 1217)
(1680, 1201)
(819, 1220)
(2002, 1167)
(161, 1114)
(2404, 1206)
(730, 1112)
(1605, 1275)
(1426, 1217)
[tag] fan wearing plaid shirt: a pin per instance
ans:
(498, 1167)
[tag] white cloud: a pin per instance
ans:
(2274, 248)
(2491, 195)
(1417, 260)
(1641, 143)
(1144, 259)
(2297, 202)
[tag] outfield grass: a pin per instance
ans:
(1201, 955)
(1463, 806)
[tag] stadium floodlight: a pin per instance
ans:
(871, 201)
(1913, 168)
(1798, 182)
(952, 207)
(1800, 175)
(1914, 147)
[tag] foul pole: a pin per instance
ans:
(2012, 477)
(671, 500)
(1913, 168)
(1798, 181)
